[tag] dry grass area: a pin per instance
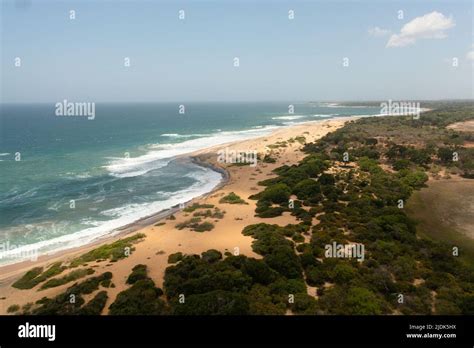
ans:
(466, 126)
(445, 211)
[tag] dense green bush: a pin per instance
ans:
(72, 276)
(176, 257)
(211, 255)
(70, 301)
(142, 298)
(216, 302)
(139, 272)
(36, 275)
(232, 198)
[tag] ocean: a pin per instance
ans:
(66, 181)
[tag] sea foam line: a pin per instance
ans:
(207, 180)
(160, 155)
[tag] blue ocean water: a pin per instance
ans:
(78, 179)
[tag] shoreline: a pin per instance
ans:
(196, 157)
(165, 239)
(10, 270)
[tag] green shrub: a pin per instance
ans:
(114, 251)
(36, 276)
(13, 308)
(195, 206)
(278, 193)
(213, 303)
(142, 298)
(138, 272)
(232, 198)
(74, 275)
(96, 305)
(176, 257)
(203, 227)
(62, 304)
(211, 255)
(306, 189)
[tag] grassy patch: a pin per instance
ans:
(232, 198)
(203, 227)
(142, 298)
(196, 225)
(36, 275)
(96, 305)
(114, 251)
(74, 275)
(269, 159)
(278, 144)
(442, 214)
(195, 206)
(71, 301)
(13, 308)
(215, 214)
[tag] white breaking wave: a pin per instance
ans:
(134, 166)
(206, 178)
(325, 115)
(294, 117)
(176, 135)
(161, 154)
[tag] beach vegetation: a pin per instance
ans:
(13, 308)
(142, 298)
(214, 214)
(217, 302)
(138, 272)
(71, 301)
(96, 305)
(113, 251)
(195, 206)
(36, 275)
(232, 198)
(359, 202)
(196, 225)
(212, 255)
(72, 276)
(176, 257)
(269, 159)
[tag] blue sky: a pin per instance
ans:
(192, 59)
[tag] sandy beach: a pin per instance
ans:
(166, 239)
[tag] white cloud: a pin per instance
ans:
(378, 32)
(430, 26)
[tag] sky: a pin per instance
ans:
(329, 50)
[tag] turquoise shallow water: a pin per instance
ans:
(78, 179)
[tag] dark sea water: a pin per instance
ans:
(78, 179)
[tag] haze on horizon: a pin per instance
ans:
(328, 51)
